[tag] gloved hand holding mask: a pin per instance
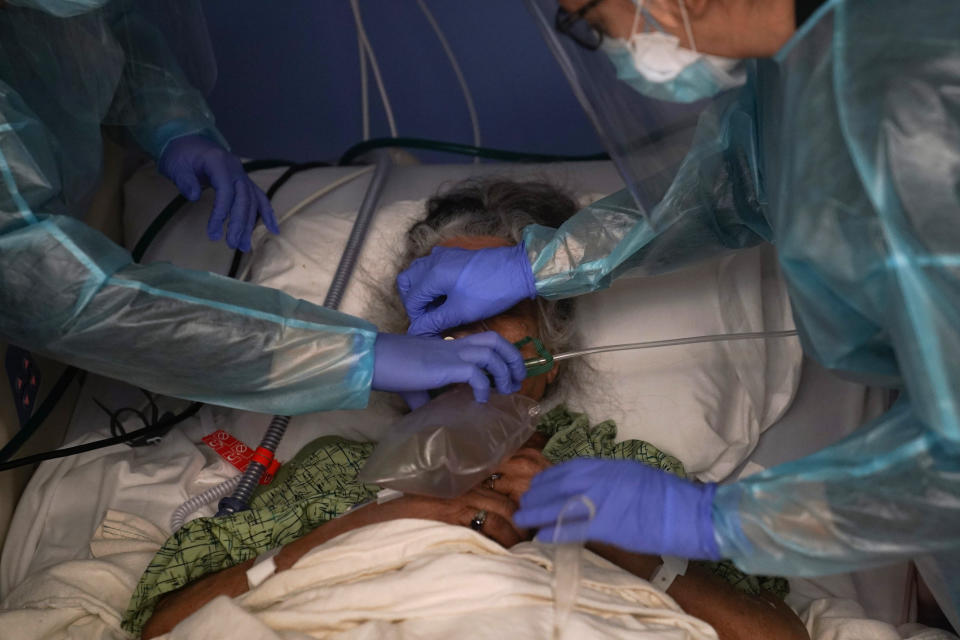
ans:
(411, 365)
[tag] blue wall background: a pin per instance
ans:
(288, 82)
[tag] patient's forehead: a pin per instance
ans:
(476, 242)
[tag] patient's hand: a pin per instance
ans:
(512, 478)
(498, 525)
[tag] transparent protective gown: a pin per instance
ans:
(843, 150)
(68, 292)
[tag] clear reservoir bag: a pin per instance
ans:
(451, 443)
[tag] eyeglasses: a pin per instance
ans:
(576, 27)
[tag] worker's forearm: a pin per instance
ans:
(735, 615)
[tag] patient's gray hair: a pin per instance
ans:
(500, 208)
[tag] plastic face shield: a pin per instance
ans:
(690, 177)
(646, 138)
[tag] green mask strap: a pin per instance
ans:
(540, 365)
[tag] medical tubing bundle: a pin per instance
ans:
(457, 71)
(366, 51)
(351, 252)
(250, 478)
(213, 493)
(240, 498)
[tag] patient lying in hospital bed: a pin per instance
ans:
(308, 512)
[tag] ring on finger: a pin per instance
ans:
(477, 523)
(493, 477)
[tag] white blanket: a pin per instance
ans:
(403, 579)
(432, 580)
(84, 598)
(67, 498)
(406, 578)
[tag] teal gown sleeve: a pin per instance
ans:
(68, 292)
(888, 492)
(714, 204)
(154, 100)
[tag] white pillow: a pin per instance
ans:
(705, 403)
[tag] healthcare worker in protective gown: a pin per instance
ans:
(831, 131)
(66, 68)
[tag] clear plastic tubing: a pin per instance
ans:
(651, 344)
(572, 524)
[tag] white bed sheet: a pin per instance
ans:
(67, 498)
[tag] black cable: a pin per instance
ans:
(154, 417)
(290, 172)
(358, 150)
(165, 424)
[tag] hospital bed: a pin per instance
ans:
(726, 409)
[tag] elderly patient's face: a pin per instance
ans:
(514, 324)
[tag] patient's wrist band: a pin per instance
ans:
(263, 567)
(667, 572)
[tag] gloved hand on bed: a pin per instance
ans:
(638, 508)
(452, 287)
(195, 161)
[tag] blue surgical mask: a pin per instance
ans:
(655, 65)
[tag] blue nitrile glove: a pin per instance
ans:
(413, 364)
(638, 508)
(476, 284)
(195, 161)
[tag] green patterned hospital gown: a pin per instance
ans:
(320, 483)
